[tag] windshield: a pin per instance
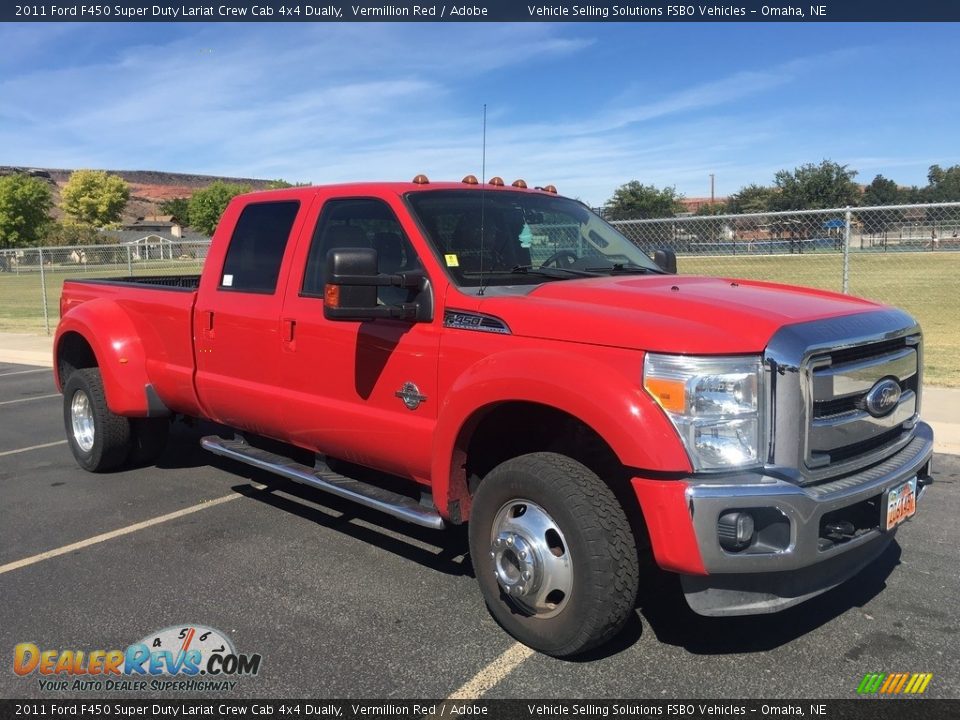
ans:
(524, 234)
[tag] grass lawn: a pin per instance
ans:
(925, 284)
(21, 299)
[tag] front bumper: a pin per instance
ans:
(795, 556)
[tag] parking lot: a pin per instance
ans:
(343, 602)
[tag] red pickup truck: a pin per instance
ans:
(499, 355)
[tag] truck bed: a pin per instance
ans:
(154, 311)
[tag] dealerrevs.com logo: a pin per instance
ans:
(184, 658)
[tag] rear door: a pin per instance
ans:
(365, 391)
(237, 315)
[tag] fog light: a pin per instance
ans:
(735, 530)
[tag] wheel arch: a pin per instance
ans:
(73, 352)
(611, 425)
(101, 334)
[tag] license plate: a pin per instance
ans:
(901, 503)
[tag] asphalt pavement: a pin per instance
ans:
(342, 602)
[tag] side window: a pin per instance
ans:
(360, 223)
(257, 246)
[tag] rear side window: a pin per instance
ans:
(257, 246)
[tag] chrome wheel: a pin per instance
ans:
(81, 416)
(530, 558)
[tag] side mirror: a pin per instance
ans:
(666, 259)
(350, 292)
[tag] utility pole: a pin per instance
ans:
(711, 188)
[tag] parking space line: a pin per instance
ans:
(96, 539)
(492, 674)
(25, 372)
(36, 397)
(32, 447)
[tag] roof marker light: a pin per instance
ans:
(520, 184)
(421, 179)
(497, 181)
(470, 180)
(550, 189)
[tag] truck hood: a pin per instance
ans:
(675, 313)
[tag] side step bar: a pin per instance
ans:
(323, 478)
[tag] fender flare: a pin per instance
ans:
(118, 349)
(614, 406)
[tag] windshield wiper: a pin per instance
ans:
(625, 269)
(558, 273)
(547, 272)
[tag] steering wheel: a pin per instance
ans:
(561, 258)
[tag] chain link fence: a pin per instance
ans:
(31, 278)
(902, 255)
(906, 255)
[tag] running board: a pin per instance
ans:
(323, 478)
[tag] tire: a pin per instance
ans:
(148, 438)
(100, 441)
(579, 554)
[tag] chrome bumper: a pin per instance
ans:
(795, 560)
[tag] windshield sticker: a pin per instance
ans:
(452, 260)
(227, 281)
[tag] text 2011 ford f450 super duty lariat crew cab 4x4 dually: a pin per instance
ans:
(501, 356)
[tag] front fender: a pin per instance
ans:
(603, 396)
(116, 344)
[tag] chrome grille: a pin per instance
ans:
(841, 427)
(820, 375)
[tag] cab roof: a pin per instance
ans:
(396, 188)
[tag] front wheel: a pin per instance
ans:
(99, 439)
(553, 553)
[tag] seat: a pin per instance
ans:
(334, 236)
(389, 249)
(465, 243)
(344, 236)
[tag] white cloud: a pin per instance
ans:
(330, 103)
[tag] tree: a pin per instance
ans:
(751, 199)
(634, 200)
(714, 208)
(280, 184)
(942, 185)
(25, 204)
(911, 195)
(827, 185)
(208, 204)
(68, 232)
(178, 207)
(92, 197)
(882, 191)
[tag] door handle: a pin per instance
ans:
(208, 324)
(289, 330)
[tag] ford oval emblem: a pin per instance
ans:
(883, 397)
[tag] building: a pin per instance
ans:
(158, 237)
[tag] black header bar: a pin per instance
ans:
(862, 709)
(484, 11)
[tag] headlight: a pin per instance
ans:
(715, 403)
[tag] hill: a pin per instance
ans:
(148, 188)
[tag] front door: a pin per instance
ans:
(363, 390)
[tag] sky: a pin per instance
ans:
(586, 107)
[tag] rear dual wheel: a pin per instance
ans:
(553, 553)
(101, 440)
